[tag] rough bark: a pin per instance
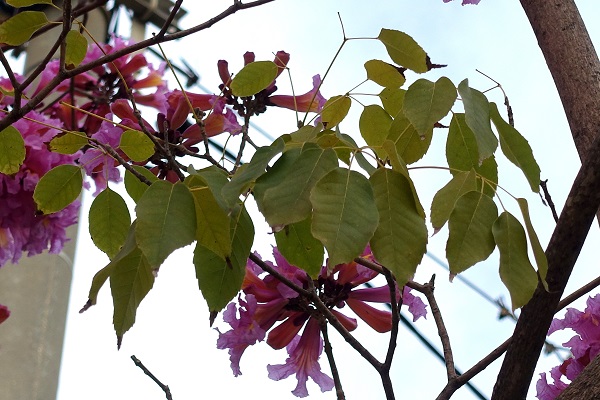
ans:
(575, 68)
(585, 387)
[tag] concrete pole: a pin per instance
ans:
(37, 289)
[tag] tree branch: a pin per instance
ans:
(164, 387)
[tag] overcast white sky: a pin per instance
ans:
(172, 336)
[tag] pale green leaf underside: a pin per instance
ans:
(166, 220)
(384, 74)
(18, 29)
(445, 199)
(374, 125)
(344, 214)
(136, 145)
(400, 240)
(69, 143)
(470, 240)
(335, 110)
(300, 248)
(76, 49)
(426, 102)
(253, 78)
(134, 187)
(404, 50)
(516, 270)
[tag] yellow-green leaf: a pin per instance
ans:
(404, 50)
(410, 145)
(253, 78)
(166, 220)
(12, 151)
(18, 29)
(400, 240)
(374, 125)
(384, 74)
(516, 270)
(538, 250)
(69, 143)
(76, 49)
(335, 110)
(470, 240)
(136, 145)
(445, 199)
(300, 248)
(516, 148)
(392, 100)
(109, 222)
(134, 187)
(58, 188)
(344, 214)
(426, 102)
(477, 116)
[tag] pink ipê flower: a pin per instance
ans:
(585, 346)
(311, 101)
(274, 309)
(4, 313)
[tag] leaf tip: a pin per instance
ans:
(212, 317)
(86, 306)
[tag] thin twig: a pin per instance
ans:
(170, 18)
(548, 198)
(334, 371)
(164, 387)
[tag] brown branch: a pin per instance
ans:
(164, 387)
(339, 391)
(170, 18)
(548, 199)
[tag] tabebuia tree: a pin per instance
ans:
(343, 210)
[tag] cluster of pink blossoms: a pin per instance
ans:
(267, 302)
(585, 346)
(103, 96)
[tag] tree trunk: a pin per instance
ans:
(585, 387)
(575, 68)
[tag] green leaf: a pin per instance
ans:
(136, 145)
(344, 214)
(101, 276)
(445, 199)
(109, 222)
(221, 279)
(410, 145)
(516, 148)
(18, 29)
(216, 178)
(12, 151)
(399, 165)
(58, 188)
(470, 240)
(477, 116)
(426, 102)
(69, 143)
(538, 250)
(278, 173)
(300, 248)
(26, 3)
(130, 282)
(134, 187)
(335, 110)
(384, 74)
(392, 100)
(76, 49)
(516, 270)
(462, 153)
(212, 229)
(374, 125)
(404, 50)
(245, 176)
(400, 240)
(166, 220)
(289, 201)
(253, 78)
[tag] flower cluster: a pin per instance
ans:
(585, 346)
(22, 229)
(269, 302)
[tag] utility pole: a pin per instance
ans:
(37, 289)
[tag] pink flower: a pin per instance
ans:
(303, 360)
(585, 346)
(282, 312)
(245, 331)
(311, 101)
(4, 313)
(22, 229)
